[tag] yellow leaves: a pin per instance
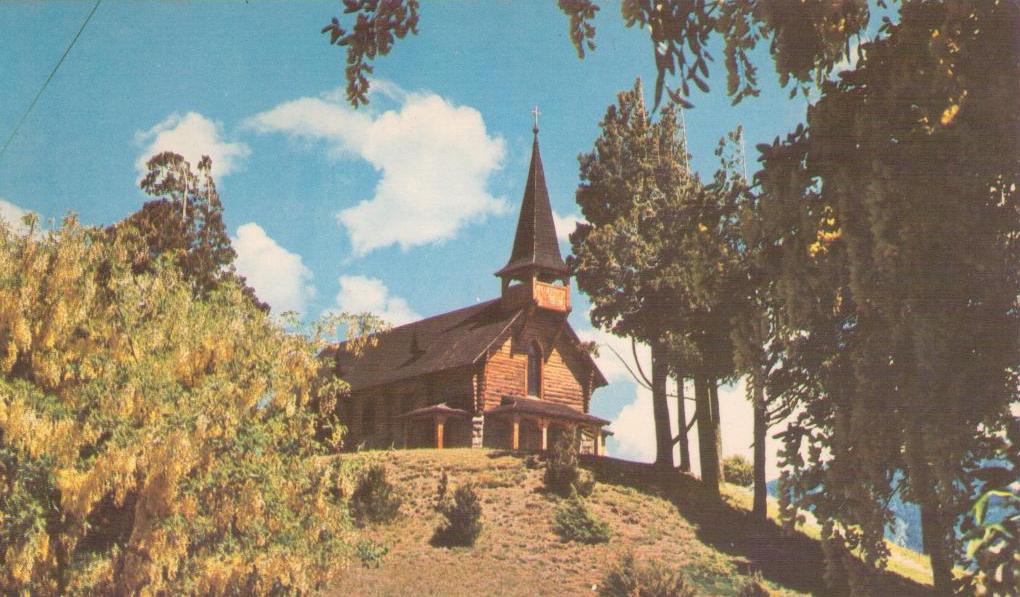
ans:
(702, 228)
(949, 114)
(828, 233)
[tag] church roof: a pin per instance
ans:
(446, 341)
(438, 343)
(535, 244)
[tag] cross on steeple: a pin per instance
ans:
(535, 113)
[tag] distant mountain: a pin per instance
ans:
(906, 527)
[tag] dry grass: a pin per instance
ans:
(519, 554)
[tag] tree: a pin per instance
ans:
(897, 211)
(152, 440)
(635, 168)
(185, 219)
(806, 39)
(653, 263)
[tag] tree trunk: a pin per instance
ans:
(713, 386)
(707, 446)
(760, 509)
(660, 406)
(681, 416)
(934, 541)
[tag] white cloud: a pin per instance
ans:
(278, 276)
(434, 160)
(565, 225)
(361, 294)
(12, 214)
(610, 362)
(192, 136)
(634, 427)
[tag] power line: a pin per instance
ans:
(67, 51)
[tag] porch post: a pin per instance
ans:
(440, 421)
(596, 434)
(544, 425)
(517, 433)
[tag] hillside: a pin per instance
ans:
(518, 553)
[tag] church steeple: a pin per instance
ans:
(536, 251)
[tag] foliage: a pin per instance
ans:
(463, 514)
(737, 470)
(893, 215)
(807, 39)
(629, 579)
(562, 474)
(993, 541)
(185, 221)
(379, 23)
(152, 441)
(374, 500)
(754, 586)
(574, 522)
(370, 553)
(656, 256)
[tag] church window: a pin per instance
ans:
(534, 370)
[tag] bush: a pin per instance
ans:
(463, 515)
(374, 499)
(153, 439)
(627, 579)
(737, 470)
(371, 553)
(754, 587)
(562, 475)
(574, 522)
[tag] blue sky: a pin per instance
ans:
(405, 206)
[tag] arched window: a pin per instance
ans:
(534, 370)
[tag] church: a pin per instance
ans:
(509, 373)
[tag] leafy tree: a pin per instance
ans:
(635, 169)
(897, 214)
(151, 440)
(806, 39)
(186, 220)
(655, 262)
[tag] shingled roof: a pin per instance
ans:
(535, 245)
(438, 343)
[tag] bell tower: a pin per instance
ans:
(536, 272)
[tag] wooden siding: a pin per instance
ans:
(385, 403)
(563, 372)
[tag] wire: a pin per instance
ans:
(7, 144)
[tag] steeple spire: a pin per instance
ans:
(536, 251)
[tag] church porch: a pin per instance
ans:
(527, 424)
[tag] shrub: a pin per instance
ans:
(463, 515)
(374, 500)
(370, 553)
(153, 439)
(627, 579)
(574, 522)
(754, 586)
(737, 470)
(562, 475)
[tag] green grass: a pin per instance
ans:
(518, 553)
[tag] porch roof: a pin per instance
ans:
(441, 409)
(544, 409)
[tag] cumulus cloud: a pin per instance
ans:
(192, 135)
(565, 225)
(434, 160)
(361, 294)
(614, 351)
(634, 427)
(12, 214)
(278, 276)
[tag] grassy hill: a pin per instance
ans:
(518, 553)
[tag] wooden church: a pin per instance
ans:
(507, 373)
